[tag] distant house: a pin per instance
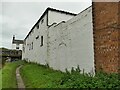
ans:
(17, 44)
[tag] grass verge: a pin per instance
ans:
(37, 76)
(8, 74)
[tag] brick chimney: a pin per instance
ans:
(106, 30)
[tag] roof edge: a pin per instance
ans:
(46, 11)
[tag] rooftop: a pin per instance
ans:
(17, 42)
(46, 11)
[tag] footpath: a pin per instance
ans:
(20, 82)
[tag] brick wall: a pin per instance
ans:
(106, 30)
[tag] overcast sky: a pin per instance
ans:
(19, 17)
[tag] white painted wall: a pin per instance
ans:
(66, 45)
(38, 53)
(13, 46)
(20, 46)
(71, 43)
(57, 17)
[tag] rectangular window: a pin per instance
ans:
(17, 46)
(41, 40)
(23, 48)
(37, 37)
(28, 46)
(38, 26)
(32, 45)
(42, 21)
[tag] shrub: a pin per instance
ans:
(85, 80)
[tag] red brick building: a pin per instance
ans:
(106, 30)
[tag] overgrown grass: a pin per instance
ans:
(37, 76)
(8, 74)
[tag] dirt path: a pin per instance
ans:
(20, 82)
